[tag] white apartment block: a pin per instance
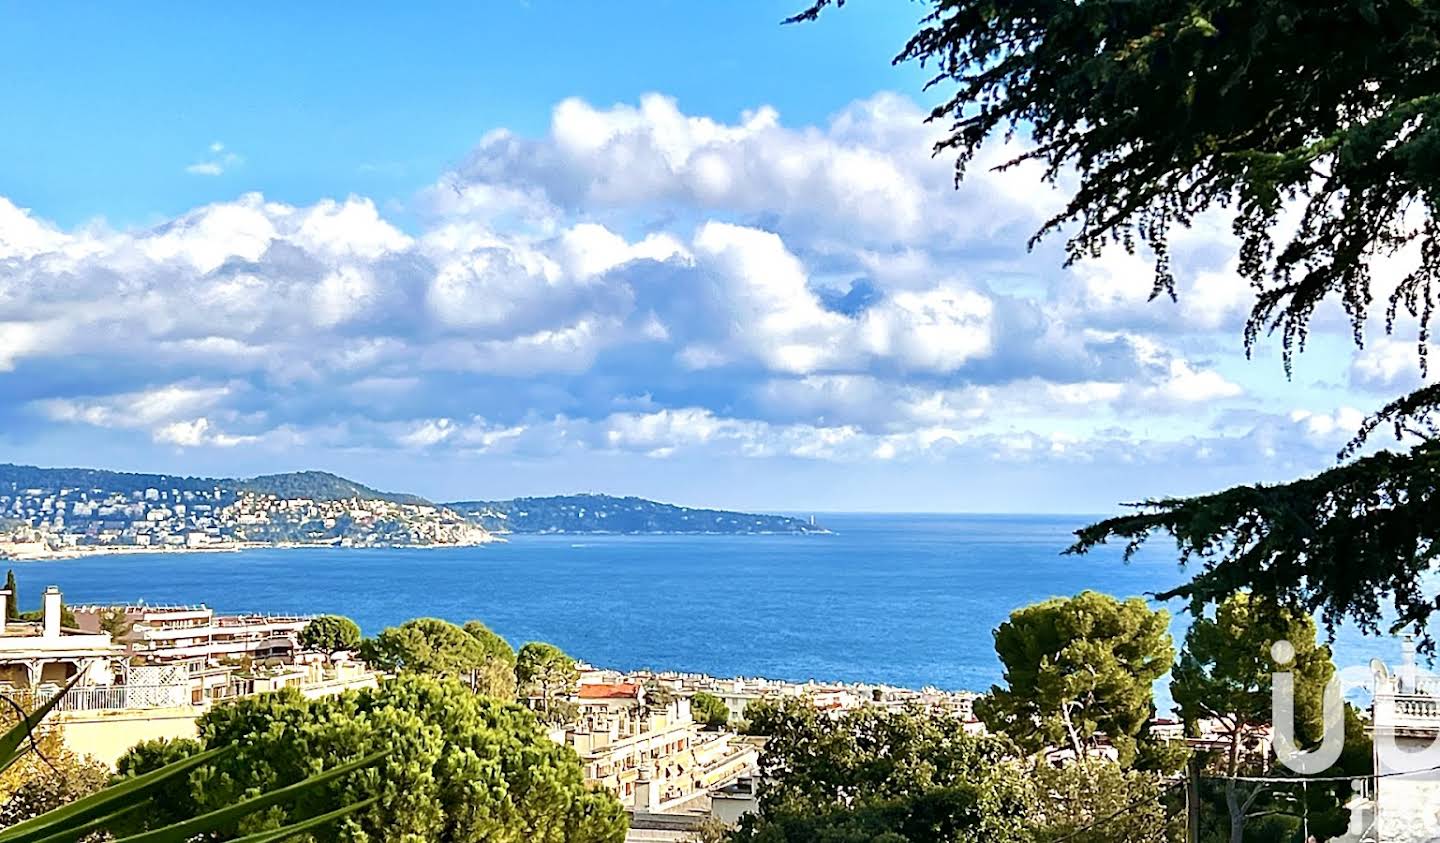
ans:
(163, 634)
(42, 657)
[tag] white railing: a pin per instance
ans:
(1417, 707)
(103, 697)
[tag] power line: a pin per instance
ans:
(1138, 803)
(1303, 779)
(1141, 802)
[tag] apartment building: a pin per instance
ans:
(163, 634)
(41, 657)
(620, 742)
(652, 756)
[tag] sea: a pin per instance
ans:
(909, 600)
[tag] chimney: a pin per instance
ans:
(5, 598)
(52, 612)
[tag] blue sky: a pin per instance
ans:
(667, 249)
(329, 99)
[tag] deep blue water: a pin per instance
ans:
(905, 599)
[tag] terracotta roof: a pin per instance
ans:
(609, 692)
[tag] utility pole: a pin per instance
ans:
(1192, 799)
(1305, 809)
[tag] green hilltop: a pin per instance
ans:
(586, 513)
(608, 514)
(315, 485)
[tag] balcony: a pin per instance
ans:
(1407, 704)
(104, 697)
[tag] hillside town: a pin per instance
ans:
(41, 522)
(47, 513)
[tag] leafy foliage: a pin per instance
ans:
(330, 634)
(872, 775)
(461, 767)
(958, 814)
(106, 810)
(115, 623)
(1101, 802)
(1077, 668)
(707, 709)
(320, 486)
(1224, 675)
(1338, 543)
(709, 830)
(1327, 112)
(496, 676)
(48, 776)
(1226, 667)
(67, 615)
(438, 648)
(544, 673)
(315, 485)
(14, 477)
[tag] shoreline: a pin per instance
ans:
(49, 555)
(82, 551)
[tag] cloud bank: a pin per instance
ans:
(644, 281)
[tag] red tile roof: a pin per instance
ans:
(609, 692)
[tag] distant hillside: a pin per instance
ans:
(607, 514)
(45, 512)
(315, 485)
(320, 486)
(13, 477)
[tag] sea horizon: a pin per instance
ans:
(908, 600)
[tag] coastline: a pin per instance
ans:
(729, 533)
(80, 552)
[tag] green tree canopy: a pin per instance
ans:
(708, 710)
(330, 634)
(958, 814)
(546, 674)
(874, 775)
(116, 623)
(497, 675)
(1101, 802)
(1224, 675)
(1327, 114)
(434, 647)
(462, 767)
(1337, 543)
(1077, 668)
(659, 697)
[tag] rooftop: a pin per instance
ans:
(609, 692)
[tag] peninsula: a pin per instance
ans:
(50, 512)
(47, 512)
(598, 514)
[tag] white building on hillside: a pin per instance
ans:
(43, 656)
(196, 633)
